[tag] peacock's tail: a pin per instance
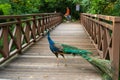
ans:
(67, 49)
(103, 66)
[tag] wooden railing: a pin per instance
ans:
(19, 31)
(105, 32)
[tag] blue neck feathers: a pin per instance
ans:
(51, 42)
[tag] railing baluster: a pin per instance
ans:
(18, 35)
(5, 42)
(38, 27)
(34, 28)
(43, 24)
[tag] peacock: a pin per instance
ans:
(61, 49)
(103, 66)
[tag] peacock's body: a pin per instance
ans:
(103, 66)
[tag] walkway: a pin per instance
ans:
(38, 63)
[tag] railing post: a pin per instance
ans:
(43, 25)
(5, 42)
(38, 21)
(116, 49)
(33, 28)
(18, 35)
(48, 21)
(81, 18)
(52, 20)
(27, 31)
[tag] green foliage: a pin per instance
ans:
(85, 5)
(36, 6)
(1, 46)
(97, 6)
(25, 6)
(106, 7)
(77, 1)
(50, 0)
(1, 12)
(1, 43)
(6, 8)
(4, 1)
(116, 7)
(1, 55)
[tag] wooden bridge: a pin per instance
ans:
(25, 53)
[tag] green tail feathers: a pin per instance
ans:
(73, 50)
(106, 77)
(103, 66)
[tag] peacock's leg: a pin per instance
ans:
(64, 59)
(65, 62)
(57, 61)
(56, 54)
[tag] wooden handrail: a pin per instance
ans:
(26, 15)
(19, 31)
(105, 33)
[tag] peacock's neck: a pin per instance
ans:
(50, 40)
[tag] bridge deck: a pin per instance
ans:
(38, 63)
